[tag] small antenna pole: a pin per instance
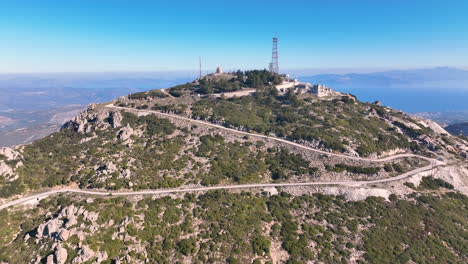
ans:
(199, 61)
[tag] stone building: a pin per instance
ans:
(321, 90)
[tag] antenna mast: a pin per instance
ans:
(199, 60)
(274, 56)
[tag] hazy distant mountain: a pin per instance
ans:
(446, 118)
(45, 91)
(35, 105)
(441, 77)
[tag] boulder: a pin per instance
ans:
(125, 132)
(116, 119)
(102, 256)
(95, 117)
(91, 216)
(7, 170)
(60, 255)
(50, 259)
(64, 234)
(84, 254)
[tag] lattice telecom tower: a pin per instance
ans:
(274, 57)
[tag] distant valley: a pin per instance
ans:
(35, 105)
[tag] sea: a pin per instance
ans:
(414, 100)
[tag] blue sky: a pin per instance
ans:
(113, 35)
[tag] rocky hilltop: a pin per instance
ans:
(369, 184)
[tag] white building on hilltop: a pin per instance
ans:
(321, 90)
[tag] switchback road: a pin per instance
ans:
(432, 163)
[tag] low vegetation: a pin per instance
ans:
(340, 125)
(242, 227)
(229, 82)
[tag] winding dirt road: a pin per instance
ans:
(398, 156)
(432, 164)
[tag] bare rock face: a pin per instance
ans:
(116, 119)
(125, 132)
(64, 234)
(8, 170)
(101, 256)
(107, 168)
(84, 254)
(431, 124)
(49, 228)
(70, 213)
(126, 174)
(91, 216)
(61, 227)
(50, 259)
(95, 117)
(60, 255)
(10, 153)
(429, 142)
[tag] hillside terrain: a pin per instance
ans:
(227, 169)
(33, 106)
(458, 129)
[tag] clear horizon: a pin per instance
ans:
(307, 71)
(54, 36)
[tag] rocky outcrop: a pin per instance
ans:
(101, 256)
(50, 228)
(95, 117)
(430, 124)
(59, 257)
(9, 162)
(10, 153)
(84, 254)
(125, 133)
(58, 228)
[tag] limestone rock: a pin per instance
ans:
(60, 255)
(95, 117)
(126, 174)
(64, 234)
(116, 119)
(84, 254)
(91, 216)
(49, 229)
(125, 132)
(101, 256)
(9, 153)
(50, 259)
(7, 170)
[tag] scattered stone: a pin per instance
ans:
(125, 132)
(50, 259)
(84, 254)
(64, 234)
(60, 255)
(101, 256)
